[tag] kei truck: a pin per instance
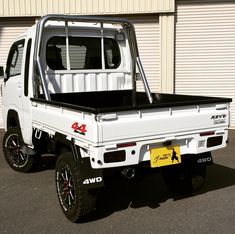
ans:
(70, 89)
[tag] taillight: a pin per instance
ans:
(214, 141)
(207, 133)
(116, 156)
(129, 144)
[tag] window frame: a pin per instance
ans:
(26, 69)
(10, 58)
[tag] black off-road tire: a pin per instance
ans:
(185, 180)
(76, 201)
(12, 148)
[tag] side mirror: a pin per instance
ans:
(1, 71)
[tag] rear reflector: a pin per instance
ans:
(207, 133)
(122, 145)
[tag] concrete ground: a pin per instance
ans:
(28, 203)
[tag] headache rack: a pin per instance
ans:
(126, 25)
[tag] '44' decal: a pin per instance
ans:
(81, 129)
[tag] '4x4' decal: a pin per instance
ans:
(81, 129)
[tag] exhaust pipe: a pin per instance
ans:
(129, 173)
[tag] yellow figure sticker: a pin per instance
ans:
(165, 156)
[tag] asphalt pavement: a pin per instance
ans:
(28, 202)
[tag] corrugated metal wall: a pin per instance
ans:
(41, 7)
(10, 29)
(205, 49)
(147, 32)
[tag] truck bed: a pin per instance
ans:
(177, 118)
(112, 101)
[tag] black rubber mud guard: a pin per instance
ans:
(91, 178)
(203, 159)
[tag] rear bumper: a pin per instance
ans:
(112, 155)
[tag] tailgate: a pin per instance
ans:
(155, 123)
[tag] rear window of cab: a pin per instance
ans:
(83, 53)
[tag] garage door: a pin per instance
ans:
(205, 49)
(147, 32)
(10, 29)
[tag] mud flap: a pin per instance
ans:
(199, 160)
(91, 178)
(204, 159)
(26, 150)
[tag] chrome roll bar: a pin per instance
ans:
(90, 19)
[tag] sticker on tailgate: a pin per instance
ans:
(79, 128)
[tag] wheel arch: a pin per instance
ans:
(12, 119)
(62, 145)
(83, 165)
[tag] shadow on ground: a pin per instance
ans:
(47, 162)
(149, 191)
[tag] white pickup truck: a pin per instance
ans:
(70, 89)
